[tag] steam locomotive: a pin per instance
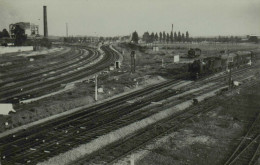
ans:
(210, 65)
(192, 53)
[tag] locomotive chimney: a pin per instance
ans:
(45, 28)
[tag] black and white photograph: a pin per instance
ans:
(129, 82)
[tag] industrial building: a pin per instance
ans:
(30, 29)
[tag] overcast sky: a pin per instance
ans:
(121, 17)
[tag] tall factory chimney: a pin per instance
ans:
(45, 28)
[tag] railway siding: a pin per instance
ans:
(120, 55)
(121, 133)
(101, 63)
(48, 71)
(71, 84)
(20, 128)
(54, 57)
(155, 99)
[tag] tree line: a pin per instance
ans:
(165, 37)
(19, 35)
(162, 37)
(171, 37)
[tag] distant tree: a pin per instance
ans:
(85, 39)
(237, 39)
(115, 38)
(164, 36)
(253, 39)
(156, 37)
(160, 36)
(219, 39)
(231, 39)
(20, 36)
(175, 36)
(81, 39)
(179, 36)
(110, 38)
(101, 38)
(152, 37)
(226, 39)
(5, 33)
(135, 37)
(167, 37)
(187, 36)
(171, 37)
(182, 37)
(146, 37)
(125, 38)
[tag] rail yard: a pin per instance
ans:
(160, 98)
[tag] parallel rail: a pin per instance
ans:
(26, 74)
(70, 55)
(37, 75)
(37, 88)
(247, 152)
(124, 147)
(76, 128)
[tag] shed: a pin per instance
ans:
(176, 58)
(117, 64)
(155, 48)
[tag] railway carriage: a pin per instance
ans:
(216, 64)
(245, 57)
(229, 59)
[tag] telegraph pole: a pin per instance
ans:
(132, 61)
(230, 78)
(162, 63)
(229, 74)
(67, 34)
(96, 98)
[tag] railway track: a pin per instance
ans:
(71, 55)
(114, 152)
(17, 62)
(75, 129)
(37, 88)
(42, 72)
(248, 150)
(38, 80)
